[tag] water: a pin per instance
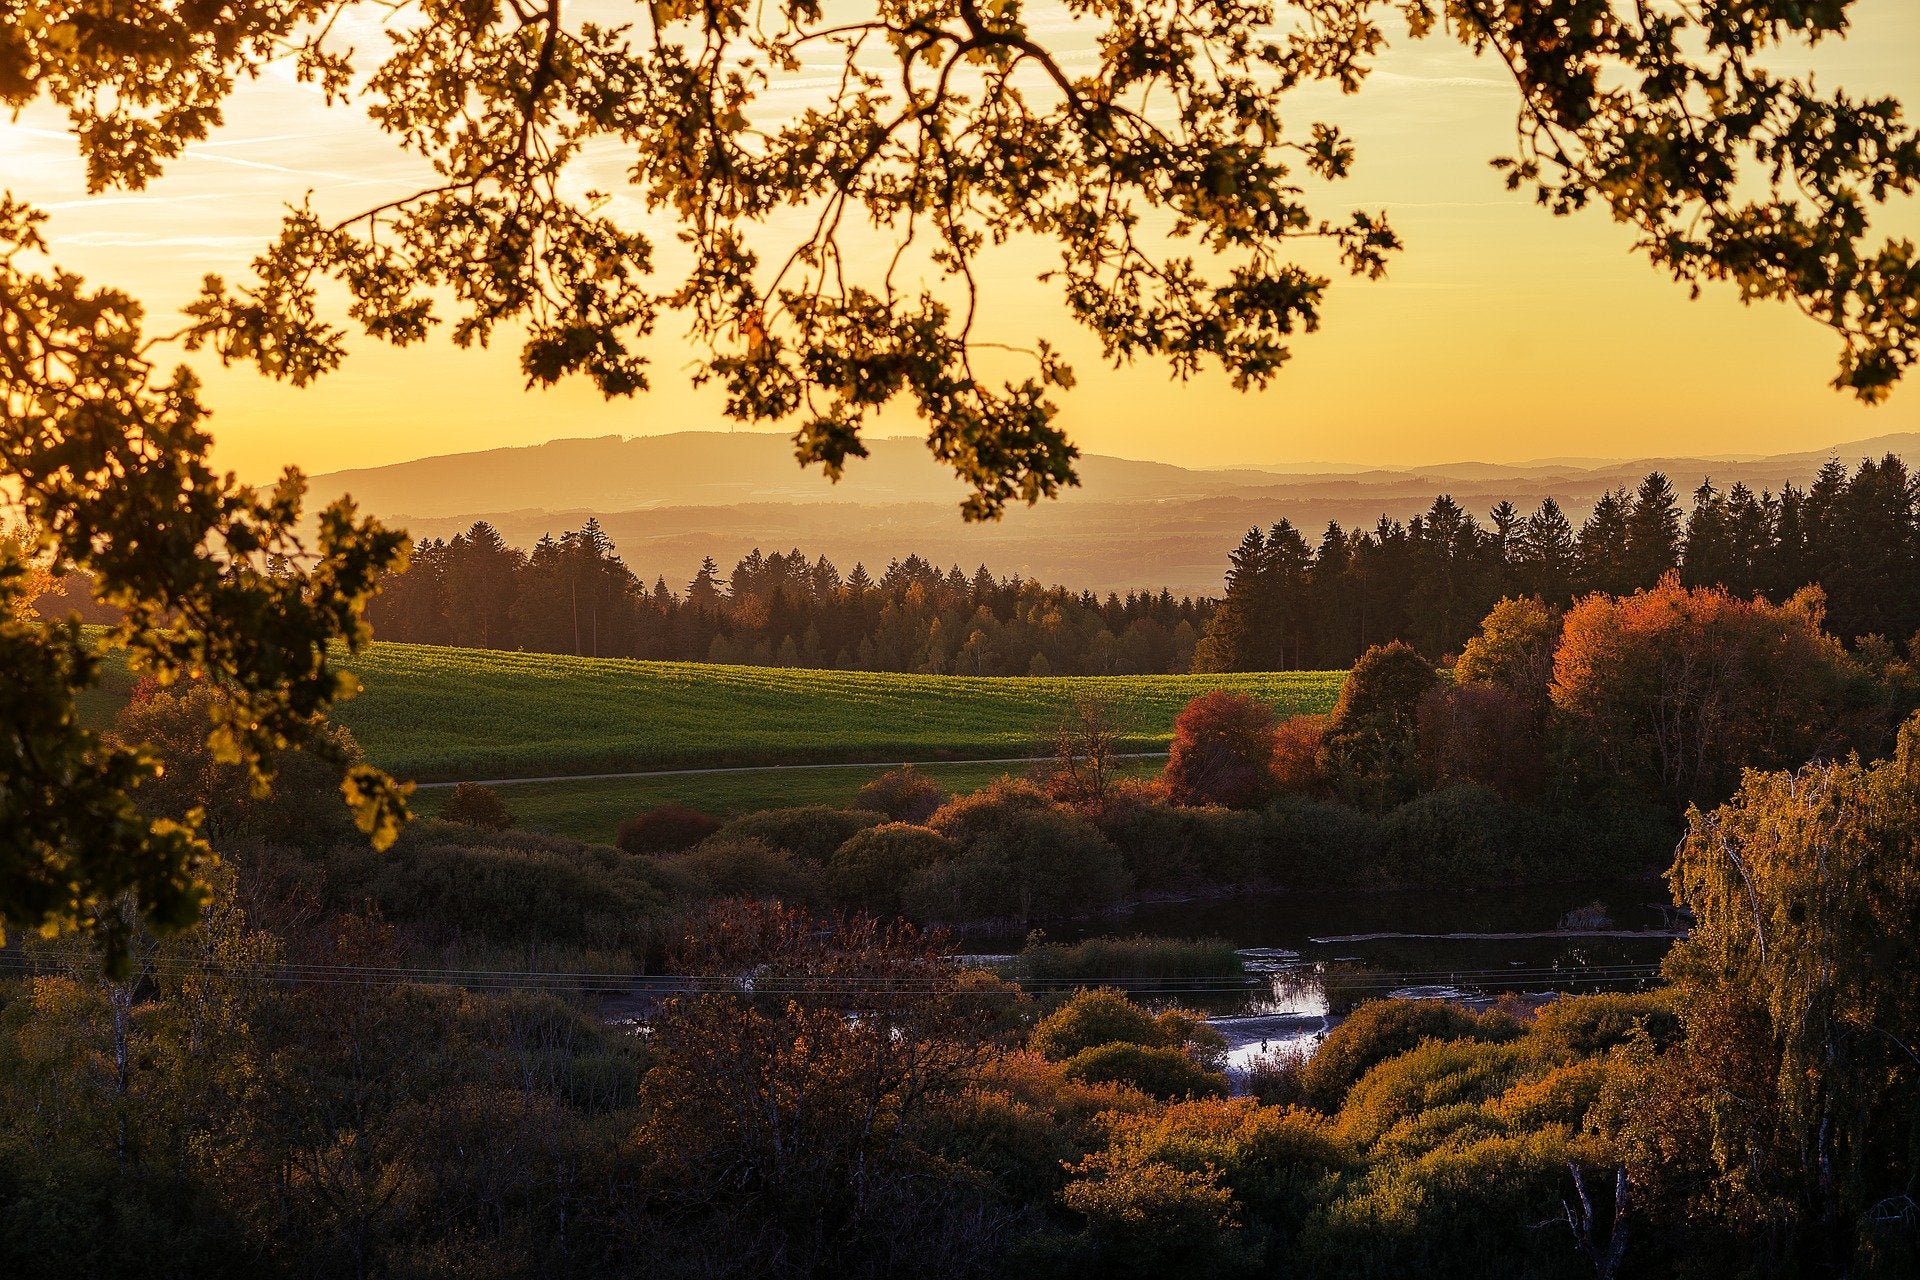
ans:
(1314, 956)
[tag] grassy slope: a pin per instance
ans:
(438, 713)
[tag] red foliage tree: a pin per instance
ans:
(1222, 752)
(1296, 753)
(1676, 690)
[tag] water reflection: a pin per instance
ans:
(1311, 958)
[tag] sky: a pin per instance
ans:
(1501, 333)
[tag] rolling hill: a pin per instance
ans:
(441, 714)
(669, 500)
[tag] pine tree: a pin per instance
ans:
(1653, 533)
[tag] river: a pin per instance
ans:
(1314, 956)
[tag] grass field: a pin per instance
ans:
(439, 714)
(594, 809)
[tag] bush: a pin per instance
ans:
(1020, 858)
(1583, 1026)
(1170, 848)
(1161, 1072)
(809, 832)
(727, 866)
(1429, 1077)
(903, 794)
(665, 828)
(1314, 844)
(504, 889)
(1222, 752)
(1091, 1019)
(1462, 835)
(1385, 1029)
(473, 805)
(1102, 1016)
(1273, 1076)
(871, 870)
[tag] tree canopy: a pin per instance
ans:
(1168, 171)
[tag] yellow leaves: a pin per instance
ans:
(378, 804)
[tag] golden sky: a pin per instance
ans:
(1501, 333)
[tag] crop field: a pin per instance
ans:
(440, 714)
(593, 809)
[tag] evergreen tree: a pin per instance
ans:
(1653, 526)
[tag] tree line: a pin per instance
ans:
(1294, 604)
(575, 594)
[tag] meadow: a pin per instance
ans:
(440, 714)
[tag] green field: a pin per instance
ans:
(594, 809)
(439, 714)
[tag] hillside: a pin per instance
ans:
(433, 714)
(669, 500)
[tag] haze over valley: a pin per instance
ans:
(669, 500)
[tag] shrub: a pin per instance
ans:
(1090, 1019)
(1296, 753)
(1582, 1026)
(1222, 752)
(1273, 1076)
(665, 828)
(728, 866)
(1020, 858)
(1166, 847)
(903, 794)
(473, 805)
(1367, 754)
(871, 870)
(1102, 1016)
(1384, 1029)
(1161, 1072)
(1431, 1075)
(1461, 834)
(504, 889)
(1313, 844)
(809, 832)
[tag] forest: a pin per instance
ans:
(1295, 604)
(1290, 603)
(575, 594)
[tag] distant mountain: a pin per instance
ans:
(669, 500)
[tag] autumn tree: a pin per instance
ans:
(1086, 752)
(1222, 752)
(952, 127)
(788, 1090)
(1789, 1113)
(1368, 750)
(1674, 690)
(1513, 649)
